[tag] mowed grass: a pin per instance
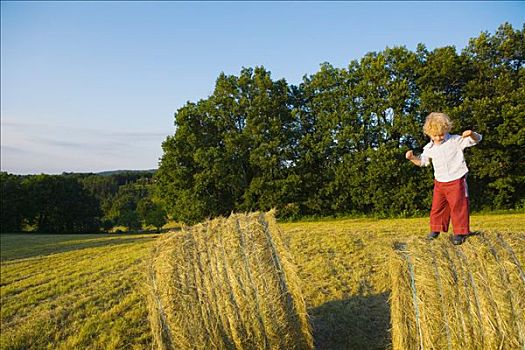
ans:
(73, 291)
(344, 268)
(87, 291)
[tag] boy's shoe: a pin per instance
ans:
(432, 235)
(458, 239)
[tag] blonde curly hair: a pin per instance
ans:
(437, 123)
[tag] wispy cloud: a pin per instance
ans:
(40, 147)
(15, 150)
(66, 129)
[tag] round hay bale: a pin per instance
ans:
(459, 297)
(227, 284)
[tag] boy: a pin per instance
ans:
(450, 198)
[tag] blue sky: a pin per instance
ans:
(93, 86)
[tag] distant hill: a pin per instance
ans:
(118, 172)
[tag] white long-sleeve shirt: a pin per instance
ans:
(447, 158)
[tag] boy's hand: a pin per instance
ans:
(466, 133)
(410, 156)
(472, 135)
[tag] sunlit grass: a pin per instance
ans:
(344, 268)
(86, 292)
(73, 292)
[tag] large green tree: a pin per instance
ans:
(494, 104)
(124, 209)
(59, 204)
(233, 150)
(336, 142)
(13, 203)
(151, 213)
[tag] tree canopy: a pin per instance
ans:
(78, 203)
(336, 142)
(333, 144)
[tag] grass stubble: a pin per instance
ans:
(73, 292)
(346, 268)
(86, 291)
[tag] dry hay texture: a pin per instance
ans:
(459, 297)
(227, 284)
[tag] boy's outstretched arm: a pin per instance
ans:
(473, 135)
(411, 157)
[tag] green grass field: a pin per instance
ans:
(87, 292)
(73, 292)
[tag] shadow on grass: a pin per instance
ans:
(23, 246)
(359, 322)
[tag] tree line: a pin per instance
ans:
(77, 203)
(335, 143)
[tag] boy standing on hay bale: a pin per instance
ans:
(450, 199)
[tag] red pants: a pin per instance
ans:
(450, 200)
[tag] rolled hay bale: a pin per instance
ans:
(459, 297)
(227, 284)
